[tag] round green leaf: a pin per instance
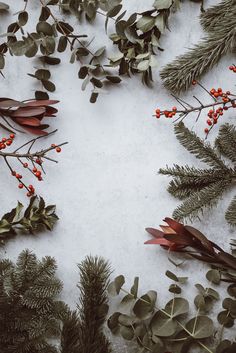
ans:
(23, 18)
(176, 307)
(127, 333)
(45, 28)
(200, 327)
(213, 276)
(145, 305)
(162, 326)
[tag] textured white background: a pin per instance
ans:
(106, 186)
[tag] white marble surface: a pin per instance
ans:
(106, 186)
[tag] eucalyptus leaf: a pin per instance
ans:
(146, 23)
(162, 326)
(200, 327)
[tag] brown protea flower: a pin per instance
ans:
(28, 114)
(183, 238)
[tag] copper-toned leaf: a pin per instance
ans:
(28, 112)
(227, 258)
(200, 237)
(40, 103)
(176, 226)
(155, 232)
(9, 103)
(28, 121)
(160, 241)
(179, 239)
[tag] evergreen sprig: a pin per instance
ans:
(30, 313)
(82, 331)
(202, 188)
(220, 22)
(36, 216)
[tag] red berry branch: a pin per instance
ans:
(222, 101)
(28, 114)
(32, 161)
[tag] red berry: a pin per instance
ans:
(231, 67)
(4, 139)
(8, 142)
(174, 109)
(194, 82)
(12, 136)
(20, 186)
(40, 178)
(35, 169)
(38, 174)
(206, 130)
(13, 173)
(38, 161)
(209, 122)
(157, 112)
(28, 194)
(215, 121)
(225, 108)
(18, 176)
(228, 93)
(58, 149)
(25, 165)
(212, 91)
(31, 187)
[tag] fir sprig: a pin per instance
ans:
(82, 331)
(179, 74)
(30, 313)
(202, 188)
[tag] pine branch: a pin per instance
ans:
(202, 188)
(230, 214)
(226, 142)
(216, 15)
(202, 150)
(207, 197)
(69, 334)
(30, 314)
(179, 74)
(93, 306)
(192, 174)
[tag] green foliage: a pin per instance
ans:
(136, 37)
(219, 22)
(36, 217)
(171, 328)
(202, 188)
(30, 313)
(82, 330)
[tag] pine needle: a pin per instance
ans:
(202, 188)
(226, 142)
(198, 147)
(230, 214)
(179, 74)
(94, 272)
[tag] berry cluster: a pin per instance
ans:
(31, 161)
(222, 101)
(5, 142)
(232, 68)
